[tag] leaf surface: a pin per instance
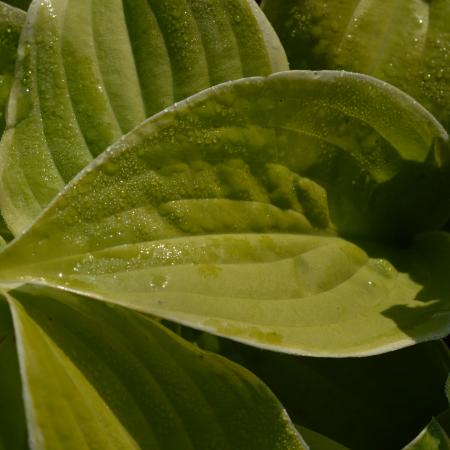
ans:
(317, 441)
(11, 21)
(404, 42)
(101, 377)
(447, 388)
(213, 214)
(433, 437)
(90, 71)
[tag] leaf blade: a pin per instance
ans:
(147, 218)
(156, 393)
(433, 437)
(402, 42)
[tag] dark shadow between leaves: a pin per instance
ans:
(371, 403)
(426, 260)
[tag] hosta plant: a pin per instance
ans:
(206, 250)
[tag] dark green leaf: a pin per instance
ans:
(404, 42)
(22, 4)
(11, 21)
(433, 437)
(317, 441)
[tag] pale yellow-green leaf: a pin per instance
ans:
(97, 377)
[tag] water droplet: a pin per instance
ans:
(158, 282)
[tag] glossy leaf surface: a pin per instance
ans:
(404, 42)
(90, 71)
(215, 214)
(100, 377)
(11, 21)
(10, 26)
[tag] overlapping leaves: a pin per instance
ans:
(88, 71)
(100, 377)
(381, 401)
(404, 42)
(144, 226)
(291, 212)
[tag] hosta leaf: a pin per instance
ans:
(364, 141)
(13, 433)
(447, 388)
(107, 378)
(404, 42)
(316, 441)
(11, 21)
(373, 403)
(91, 70)
(433, 437)
(203, 215)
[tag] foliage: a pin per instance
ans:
(158, 176)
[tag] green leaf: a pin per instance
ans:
(433, 437)
(373, 403)
(144, 225)
(11, 21)
(447, 388)
(13, 432)
(100, 377)
(404, 42)
(22, 4)
(317, 441)
(90, 71)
